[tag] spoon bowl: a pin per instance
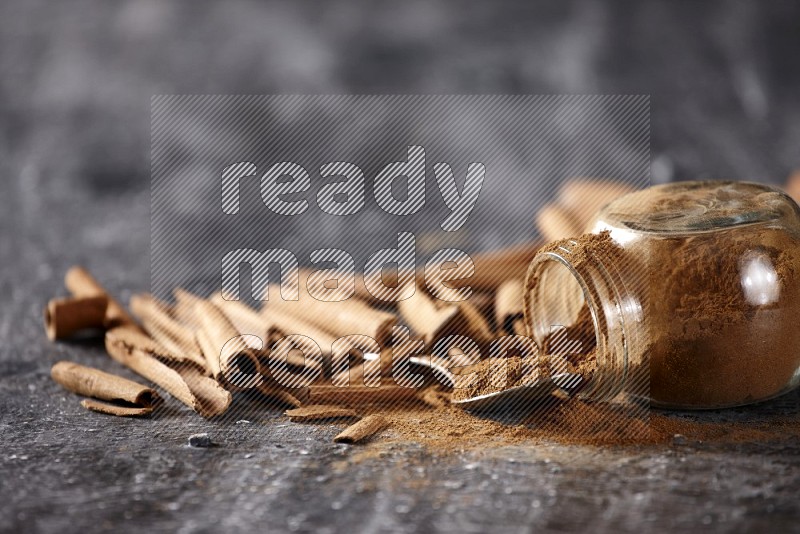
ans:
(519, 398)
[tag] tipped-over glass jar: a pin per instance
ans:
(691, 291)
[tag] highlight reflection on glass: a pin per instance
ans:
(759, 280)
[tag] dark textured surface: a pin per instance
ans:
(74, 113)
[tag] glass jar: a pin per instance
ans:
(691, 293)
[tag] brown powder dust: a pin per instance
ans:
(573, 422)
(713, 342)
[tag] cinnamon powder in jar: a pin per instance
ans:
(693, 285)
(724, 317)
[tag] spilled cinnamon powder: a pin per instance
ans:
(574, 423)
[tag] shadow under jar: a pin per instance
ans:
(692, 291)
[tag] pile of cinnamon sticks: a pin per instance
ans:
(323, 360)
(311, 356)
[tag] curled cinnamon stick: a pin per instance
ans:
(184, 309)
(473, 324)
(424, 317)
(65, 317)
(276, 326)
(557, 222)
(288, 324)
(186, 382)
(360, 395)
(302, 336)
(231, 361)
(367, 372)
(319, 412)
(583, 198)
(494, 267)
(433, 322)
(508, 307)
(128, 397)
(115, 409)
(245, 319)
(362, 430)
(82, 284)
(343, 318)
(434, 397)
(792, 186)
(278, 393)
(157, 319)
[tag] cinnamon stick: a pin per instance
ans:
(508, 307)
(367, 372)
(483, 301)
(186, 382)
(584, 197)
(557, 222)
(435, 321)
(127, 397)
(248, 321)
(792, 186)
(425, 318)
(287, 324)
(231, 361)
(360, 395)
(362, 430)
(474, 323)
(434, 397)
(278, 393)
(157, 319)
(319, 412)
(245, 319)
(494, 267)
(82, 284)
(64, 317)
(302, 335)
(351, 316)
(115, 409)
(184, 309)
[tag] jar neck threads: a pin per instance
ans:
(577, 285)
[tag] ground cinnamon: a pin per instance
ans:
(450, 430)
(495, 374)
(711, 346)
(702, 292)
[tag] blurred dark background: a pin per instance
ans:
(76, 79)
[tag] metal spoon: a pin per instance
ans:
(518, 396)
(507, 398)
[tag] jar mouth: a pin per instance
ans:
(559, 291)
